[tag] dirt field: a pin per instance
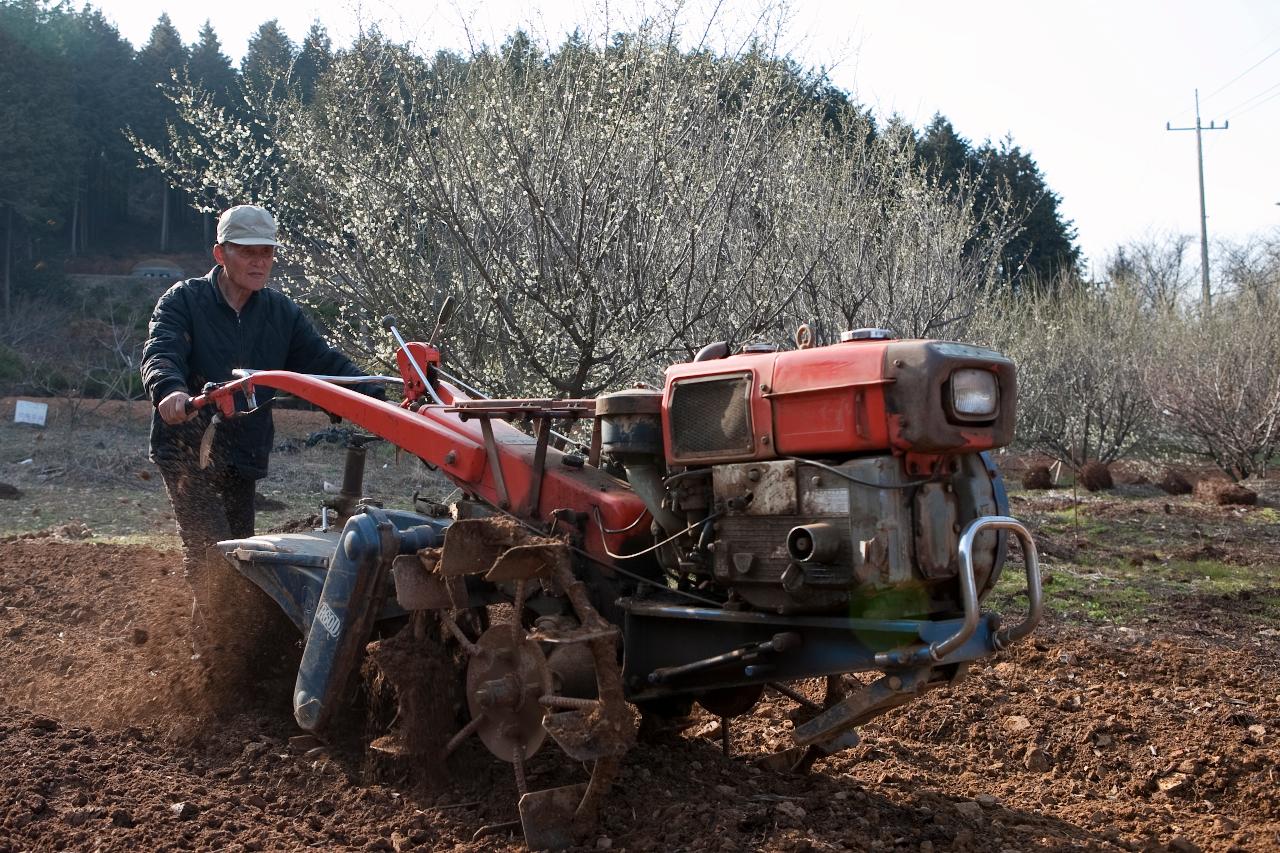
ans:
(1143, 714)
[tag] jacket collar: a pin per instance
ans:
(217, 291)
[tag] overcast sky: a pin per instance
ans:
(1085, 86)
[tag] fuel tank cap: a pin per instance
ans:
(867, 334)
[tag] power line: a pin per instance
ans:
(1263, 101)
(1204, 227)
(1242, 73)
(1245, 102)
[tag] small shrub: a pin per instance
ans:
(1037, 477)
(1096, 477)
(1225, 493)
(11, 366)
(1173, 483)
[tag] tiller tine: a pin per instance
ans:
(548, 817)
(586, 736)
(526, 562)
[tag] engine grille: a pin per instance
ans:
(711, 417)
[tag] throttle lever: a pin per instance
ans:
(389, 323)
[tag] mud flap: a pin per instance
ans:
(353, 593)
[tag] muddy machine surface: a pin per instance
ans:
(767, 516)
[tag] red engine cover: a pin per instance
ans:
(800, 402)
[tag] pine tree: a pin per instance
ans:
(946, 154)
(160, 59)
(313, 60)
(36, 161)
(1045, 246)
(100, 60)
(267, 62)
(210, 68)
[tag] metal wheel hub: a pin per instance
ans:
(504, 680)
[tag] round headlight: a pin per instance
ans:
(975, 394)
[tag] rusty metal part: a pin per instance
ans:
(525, 562)
(572, 670)
(473, 545)
(517, 695)
(798, 698)
(495, 463)
(548, 816)
(771, 485)
(883, 694)
(504, 680)
(418, 587)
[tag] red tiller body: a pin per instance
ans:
(454, 442)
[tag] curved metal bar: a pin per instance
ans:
(244, 372)
(969, 591)
(1035, 594)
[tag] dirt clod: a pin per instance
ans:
(1225, 493)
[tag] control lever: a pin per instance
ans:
(389, 323)
(446, 311)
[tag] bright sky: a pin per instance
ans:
(1085, 86)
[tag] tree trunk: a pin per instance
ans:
(164, 221)
(75, 219)
(8, 241)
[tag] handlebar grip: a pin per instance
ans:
(195, 403)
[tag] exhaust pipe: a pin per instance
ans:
(813, 543)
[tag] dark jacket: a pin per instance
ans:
(196, 337)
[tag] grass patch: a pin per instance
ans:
(1071, 520)
(1116, 591)
(1101, 596)
(1212, 576)
(1263, 515)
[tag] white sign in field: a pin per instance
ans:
(27, 412)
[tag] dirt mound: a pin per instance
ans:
(95, 634)
(1224, 493)
(1097, 738)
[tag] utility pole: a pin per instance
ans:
(1204, 228)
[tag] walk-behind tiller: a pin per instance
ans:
(767, 516)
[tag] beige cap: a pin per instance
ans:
(247, 225)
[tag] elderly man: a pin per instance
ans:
(201, 330)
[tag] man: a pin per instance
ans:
(201, 330)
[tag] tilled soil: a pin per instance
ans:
(1079, 738)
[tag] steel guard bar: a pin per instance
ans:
(969, 596)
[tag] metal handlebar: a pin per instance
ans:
(969, 590)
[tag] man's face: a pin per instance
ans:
(247, 267)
